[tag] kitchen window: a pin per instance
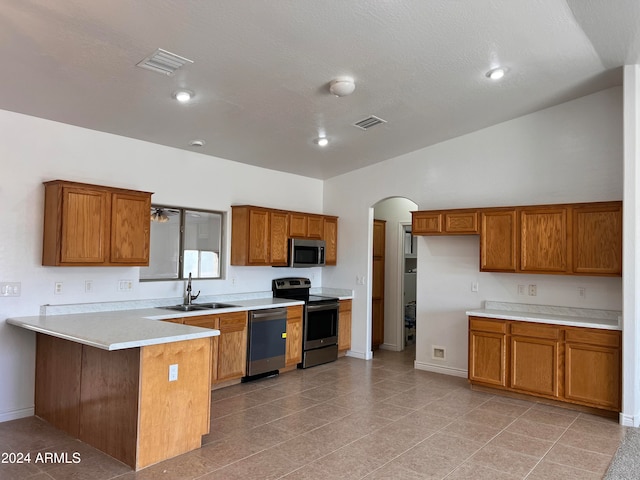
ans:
(184, 241)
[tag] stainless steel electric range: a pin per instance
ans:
(320, 320)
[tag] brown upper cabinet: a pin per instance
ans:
(93, 225)
(571, 239)
(259, 236)
(446, 222)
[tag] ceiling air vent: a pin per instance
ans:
(367, 123)
(162, 61)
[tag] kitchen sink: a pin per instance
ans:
(213, 305)
(197, 306)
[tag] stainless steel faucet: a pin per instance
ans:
(188, 298)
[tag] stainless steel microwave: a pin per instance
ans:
(306, 253)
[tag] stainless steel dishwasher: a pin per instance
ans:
(266, 342)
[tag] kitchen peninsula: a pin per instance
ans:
(136, 388)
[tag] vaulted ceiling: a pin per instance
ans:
(261, 70)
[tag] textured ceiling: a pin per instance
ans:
(262, 67)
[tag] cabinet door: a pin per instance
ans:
(498, 241)
(461, 222)
(597, 239)
(85, 223)
(543, 240)
(592, 367)
(259, 234)
(534, 359)
(297, 225)
(331, 240)
(487, 358)
(207, 321)
(130, 229)
(232, 346)
(424, 223)
(315, 227)
(294, 336)
(344, 325)
(279, 225)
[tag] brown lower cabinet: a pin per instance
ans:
(570, 364)
(344, 326)
(294, 336)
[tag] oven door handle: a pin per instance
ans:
(317, 308)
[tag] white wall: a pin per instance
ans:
(568, 153)
(395, 211)
(34, 150)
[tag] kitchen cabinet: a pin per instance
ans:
(232, 346)
(344, 325)
(570, 364)
(498, 240)
(592, 367)
(448, 222)
(294, 336)
(208, 321)
(597, 239)
(544, 245)
(330, 226)
(487, 351)
(534, 358)
(92, 225)
(569, 239)
(260, 236)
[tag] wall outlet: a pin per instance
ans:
(125, 285)
(57, 288)
(88, 286)
(533, 290)
(173, 372)
(10, 289)
(360, 279)
(522, 290)
(582, 293)
(474, 286)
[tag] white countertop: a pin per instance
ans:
(555, 315)
(120, 329)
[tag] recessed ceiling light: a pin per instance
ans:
(496, 73)
(197, 143)
(183, 96)
(322, 141)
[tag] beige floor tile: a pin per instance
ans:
(428, 463)
(592, 443)
(549, 417)
(484, 417)
(443, 442)
(602, 429)
(522, 444)
(395, 471)
(261, 466)
(472, 431)
(231, 405)
(503, 408)
(552, 471)
(473, 471)
(534, 429)
(578, 458)
(504, 460)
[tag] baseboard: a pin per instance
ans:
(430, 367)
(629, 420)
(362, 356)
(388, 346)
(15, 414)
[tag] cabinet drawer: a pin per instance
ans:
(461, 222)
(487, 325)
(535, 330)
(232, 322)
(593, 337)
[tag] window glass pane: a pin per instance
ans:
(164, 247)
(201, 244)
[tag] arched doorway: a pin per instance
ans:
(398, 273)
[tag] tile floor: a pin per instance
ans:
(353, 419)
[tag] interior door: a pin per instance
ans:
(377, 296)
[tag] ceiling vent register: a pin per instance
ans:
(164, 62)
(367, 123)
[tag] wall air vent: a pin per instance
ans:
(367, 123)
(164, 62)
